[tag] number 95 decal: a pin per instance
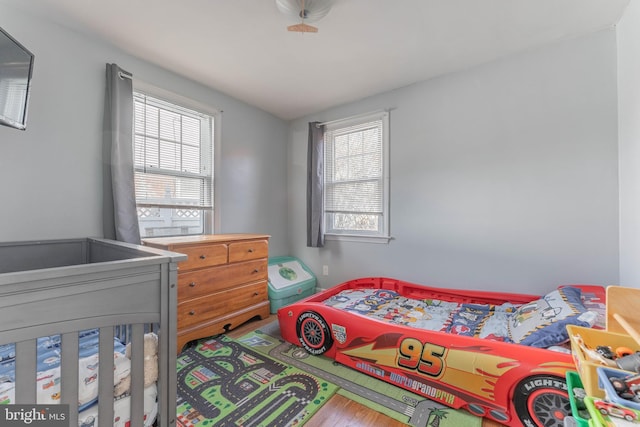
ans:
(427, 359)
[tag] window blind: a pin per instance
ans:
(173, 155)
(354, 169)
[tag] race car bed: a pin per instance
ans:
(500, 356)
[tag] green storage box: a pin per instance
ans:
(576, 398)
(289, 281)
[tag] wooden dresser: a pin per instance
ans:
(222, 284)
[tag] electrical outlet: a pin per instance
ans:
(325, 270)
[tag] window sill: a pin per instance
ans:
(358, 238)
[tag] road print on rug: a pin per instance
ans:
(222, 382)
(380, 396)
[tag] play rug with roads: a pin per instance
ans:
(224, 383)
(380, 396)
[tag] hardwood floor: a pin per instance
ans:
(339, 410)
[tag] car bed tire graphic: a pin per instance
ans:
(313, 333)
(539, 404)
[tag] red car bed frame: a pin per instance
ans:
(510, 383)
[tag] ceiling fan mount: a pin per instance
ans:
(305, 11)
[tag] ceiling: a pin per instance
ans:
(363, 47)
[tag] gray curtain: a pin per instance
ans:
(120, 218)
(315, 186)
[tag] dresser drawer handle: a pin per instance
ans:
(203, 256)
(250, 250)
(192, 312)
(255, 294)
(192, 284)
(255, 271)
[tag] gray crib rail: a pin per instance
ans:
(136, 286)
(26, 379)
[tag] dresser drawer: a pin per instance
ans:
(243, 251)
(202, 256)
(220, 304)
(194, 284)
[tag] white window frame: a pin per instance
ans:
(211, 220)
(382, 235)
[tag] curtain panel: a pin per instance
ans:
(120, 218)
(315, 186)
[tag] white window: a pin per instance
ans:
(13, 92)
(173, 150)
(356, 178)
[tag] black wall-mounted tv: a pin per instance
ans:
(16, 66)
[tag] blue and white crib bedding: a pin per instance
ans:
(540, 323)
(48, 377)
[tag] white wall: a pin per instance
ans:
(51, 173)
(628, 31)
(503, 177)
